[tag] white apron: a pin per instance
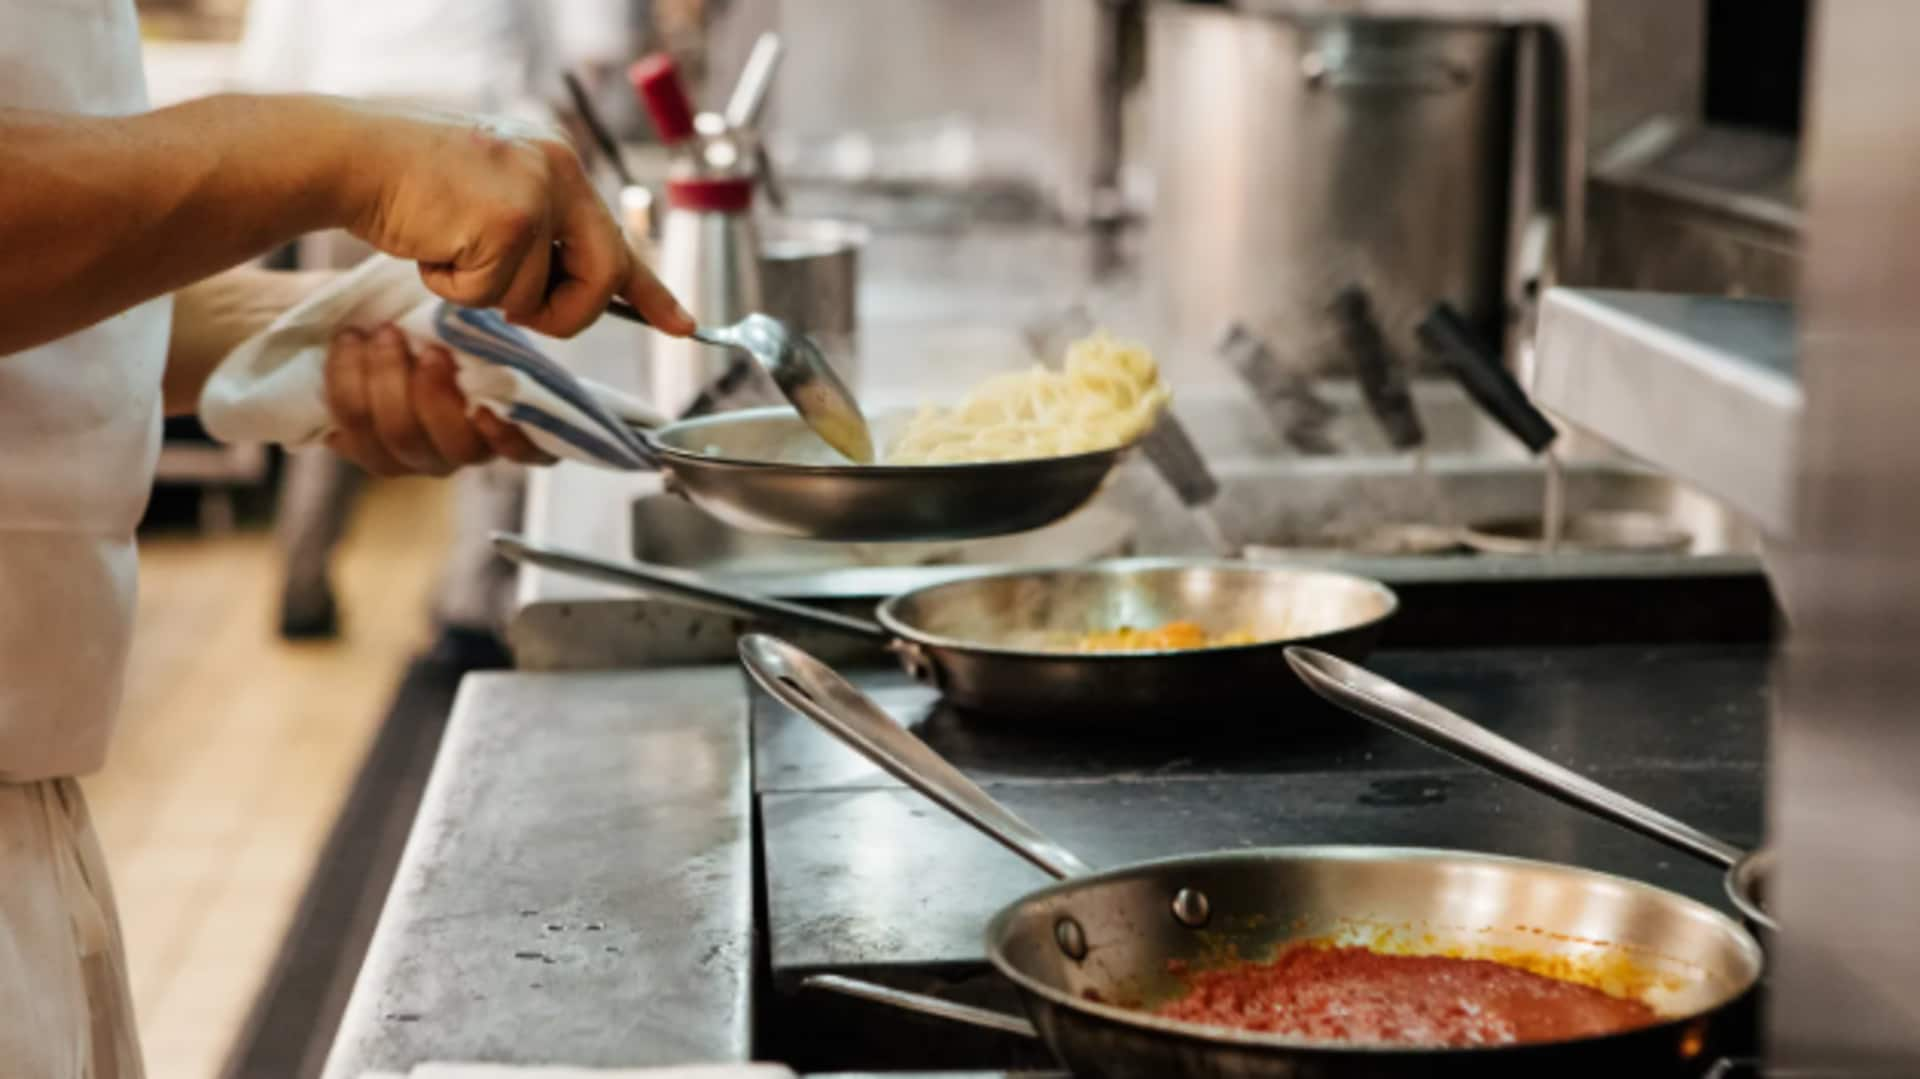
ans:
(79, 434)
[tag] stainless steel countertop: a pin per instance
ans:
(578, 886)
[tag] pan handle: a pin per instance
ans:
(923, 1004)
(1480, 373)
(624, 406)
(681, 585)
(811, 688)
(1370, 696)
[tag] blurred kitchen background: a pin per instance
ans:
(1274, 199)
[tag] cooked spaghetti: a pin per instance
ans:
(1168, 637)
(1107, 394)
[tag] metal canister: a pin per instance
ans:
(810, 276)
(710, 259)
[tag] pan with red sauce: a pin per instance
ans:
(1353, 995)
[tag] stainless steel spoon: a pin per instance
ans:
(797, 367)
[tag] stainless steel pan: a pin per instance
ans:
(1398, 708)
(1082, 949)
(983, 641)
(763, 470)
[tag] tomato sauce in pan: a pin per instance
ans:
(1353, 995)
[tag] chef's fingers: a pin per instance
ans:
(366, 453)
(396, 425)
(526, 297)
(352, 409)
(591, 258)
(442, 410)
(508, 441)
(346, 382)
(644, 291)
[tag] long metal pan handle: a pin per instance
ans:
(624, 406)
(811, 688)
(678, 584)
(921, 1003)
(1370, 696)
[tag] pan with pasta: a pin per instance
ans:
(1023, 450)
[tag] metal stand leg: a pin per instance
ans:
(316, 495)
(475, 587)
(216, 510)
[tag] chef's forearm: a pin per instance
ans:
(212, 316)
(98, 214)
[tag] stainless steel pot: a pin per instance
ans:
(1299, 160)
(1081, 950)
(810, 277)
(985, 642)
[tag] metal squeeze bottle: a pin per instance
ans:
(709, 253)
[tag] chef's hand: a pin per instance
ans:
(497, 215)
(396, 412)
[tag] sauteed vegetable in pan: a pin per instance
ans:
(1006, 645)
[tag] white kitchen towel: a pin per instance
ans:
(272, 388)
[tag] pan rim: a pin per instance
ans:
(1748, 944)
(851, 469)
(885, 614)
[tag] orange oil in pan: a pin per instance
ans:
(1171, 636)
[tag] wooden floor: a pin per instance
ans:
(236, 750)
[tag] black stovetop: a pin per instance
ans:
(865, 878)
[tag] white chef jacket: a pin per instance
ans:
(490, 57)
(80, 428)
(80, 424)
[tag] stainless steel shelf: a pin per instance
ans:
(1702, 387)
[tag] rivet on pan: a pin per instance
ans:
(1071, 939)
(1191, 909)
(918, 665)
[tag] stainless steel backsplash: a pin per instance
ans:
(944, 83)
(1018, 77)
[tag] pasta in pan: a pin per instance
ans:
(1107, 394)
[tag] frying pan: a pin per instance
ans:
(1400, 709)
(763, 470)
(983, 641)
(1077, 949)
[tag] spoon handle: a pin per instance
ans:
(618, 307)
